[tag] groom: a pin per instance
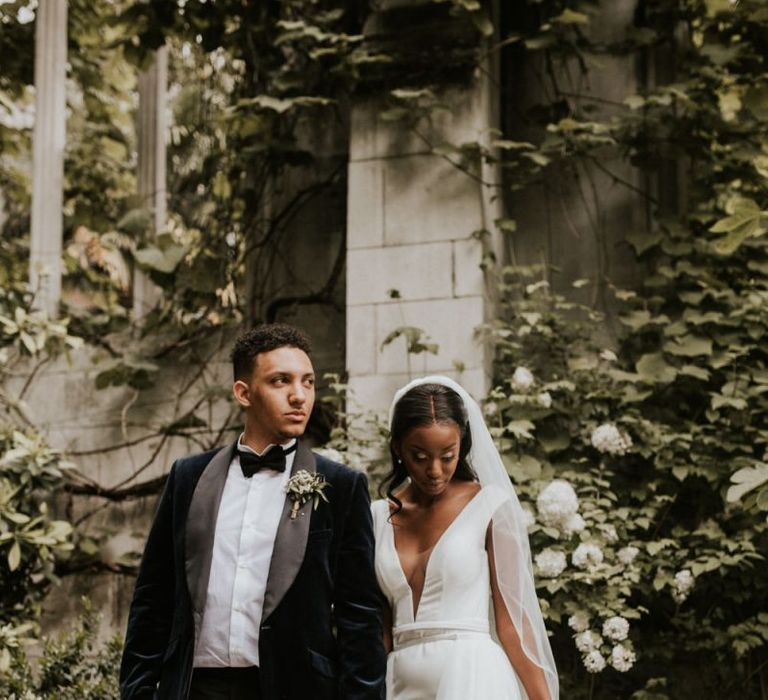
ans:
(255, 585)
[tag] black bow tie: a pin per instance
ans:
(273, 458)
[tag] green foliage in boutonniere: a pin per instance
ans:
(302, 487)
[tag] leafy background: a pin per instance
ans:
(675, 361)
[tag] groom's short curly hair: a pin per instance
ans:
(268, 336)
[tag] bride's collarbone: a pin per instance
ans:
(419, 528)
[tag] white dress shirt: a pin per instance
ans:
(246, 527)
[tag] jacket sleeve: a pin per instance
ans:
(357, 603)
(151, 612)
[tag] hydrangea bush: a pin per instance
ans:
(651, 582)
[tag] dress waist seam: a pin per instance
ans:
(445, 630)
(462, 625)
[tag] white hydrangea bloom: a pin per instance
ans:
(587, 556)
(557, 503)
(616, 628)
(529, 519)
(544, 399)
(607, 438)
(588, 641)
(682, 586)
(627, 555)
(573, 525)
(522, 379)
(594, 662)
(551, 563)
(622, 658)
(579, 621)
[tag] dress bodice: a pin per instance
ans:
(456, 582)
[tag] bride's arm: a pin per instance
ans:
(531, 675)
(387, 626)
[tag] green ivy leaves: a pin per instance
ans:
(745, 220)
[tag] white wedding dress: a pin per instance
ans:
(445, 651)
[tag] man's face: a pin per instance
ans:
(280, 395)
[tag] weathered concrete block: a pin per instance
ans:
(428, 199)
(466, 120)
(415, 271)
(365, 205)
(468, 278)
(361, 340)
(448, 322)
(375, 392)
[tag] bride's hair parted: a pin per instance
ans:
(426, 404)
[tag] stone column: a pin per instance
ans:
(48, 153)
(412, 259)
(151, 174)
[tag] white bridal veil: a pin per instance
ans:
(511, 549)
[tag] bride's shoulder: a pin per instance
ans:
(495, 495)
(379, 508)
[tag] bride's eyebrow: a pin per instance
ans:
(447, 448)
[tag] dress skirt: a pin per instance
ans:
(449, 665)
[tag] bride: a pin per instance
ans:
(453, 560)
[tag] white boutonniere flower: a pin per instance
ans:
(303, 487)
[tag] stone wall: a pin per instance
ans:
(412, 259)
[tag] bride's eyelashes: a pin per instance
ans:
(447, 458)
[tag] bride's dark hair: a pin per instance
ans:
(426, 404)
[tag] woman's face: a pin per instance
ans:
(430, 454)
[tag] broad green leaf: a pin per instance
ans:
(741, 210)
(14, 556)
(746, 480)
(719, 400)
(18, 518)
(537, 157)
(135, 222)
(680, 473)
(521, 429)
(654, 368)
(526, 468)
(729, 103)
(642, 241)
(161, 260)
(696, 372)
(731, 242)
(509, 225)
(745, 221)
(715, 7)
(507, 145)
(756, 101)
(280, 106)
(689, 346)
(568, 16)
(637, 319)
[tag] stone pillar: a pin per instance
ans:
(151, 174)
(48, 153)
(411, 257)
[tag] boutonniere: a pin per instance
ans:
(302, 487)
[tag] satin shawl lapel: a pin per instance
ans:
(290, 541)
(201, 528)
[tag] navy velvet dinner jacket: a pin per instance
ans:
(321, 629)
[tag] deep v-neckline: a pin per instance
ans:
(415, 608)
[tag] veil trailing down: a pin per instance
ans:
(477, 664)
